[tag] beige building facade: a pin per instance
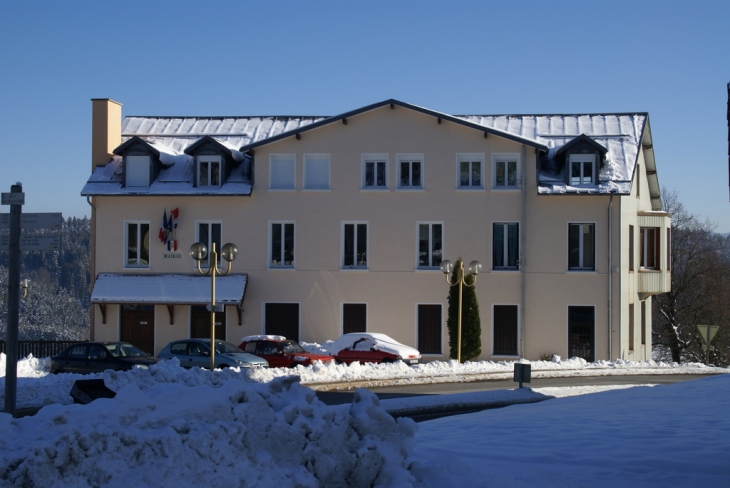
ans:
(342, 223)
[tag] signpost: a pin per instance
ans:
(707, 332)
(14, 242)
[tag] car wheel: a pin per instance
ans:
(222, 366)
(386, 361)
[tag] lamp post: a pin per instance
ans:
(460, 279)
(198, 252)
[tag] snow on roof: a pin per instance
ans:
(621, 134)
(167, 289)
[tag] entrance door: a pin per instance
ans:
(354, 317)
(581, 332)
(505, 330)
(282, 319)
(138, 326)
(200, 323)
(429, 329)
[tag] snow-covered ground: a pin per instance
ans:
(171, 426)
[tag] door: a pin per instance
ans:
(200, 323)
(138, 326)
(581, 332)
(505, 330)
(354, 317)
(282, 319)
(429, 329)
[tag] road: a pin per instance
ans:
(339, 397)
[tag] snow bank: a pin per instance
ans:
(243, 434)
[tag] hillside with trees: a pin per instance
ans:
(57, 305)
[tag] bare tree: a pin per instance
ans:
(700, 289)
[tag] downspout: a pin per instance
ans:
(610, 272)
(523, 181)
(92, 268)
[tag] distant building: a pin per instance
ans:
(342, 223)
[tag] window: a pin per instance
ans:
(375, 171)
(410, 171)
(505, 330)
(631, 248)
(282, 245)
(316, 172)
(138, 244)
(137, 170)
(506, 171)
(649, 248)
(282, 319)
(209, 233)
(643, 322)
(582, 332)
(581, 247)
(582, 169)
(669, 249)
(281, 171)
(470, 168)
(430, 246)
(209, 171)
(354, 245)
(631, 326)
(505, 246)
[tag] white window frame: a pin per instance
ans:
(137, 171)
(430, 225)
(205, 263)
(472, 158)
(374, 158)
(505, 249)
(506, 158)
(355, 266)
(580, 268)
(274, 160)
(409, 159)
(211, 160)
(283, 223)
(582, 159)
(309, 158)
(139, 243)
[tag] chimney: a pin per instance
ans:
(106, 130)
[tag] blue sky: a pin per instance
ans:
(668, 58)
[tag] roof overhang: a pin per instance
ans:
(168, 289)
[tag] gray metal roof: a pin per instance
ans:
(620, 133)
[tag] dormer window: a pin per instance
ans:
(582, 169)
(137, 169)
(209, 171)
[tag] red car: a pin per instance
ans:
(371, 348)
(279, 351)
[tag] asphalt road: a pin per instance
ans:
(339, 397)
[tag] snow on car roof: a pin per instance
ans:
(263, 338)
(381, 342)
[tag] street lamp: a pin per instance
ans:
(460, 279)
(198, 252)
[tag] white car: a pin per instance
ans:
(371, 347)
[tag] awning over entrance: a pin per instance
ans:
(168, 289)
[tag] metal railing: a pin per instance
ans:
(39, 349)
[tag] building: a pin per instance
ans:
(342, 223)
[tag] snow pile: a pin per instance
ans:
(243, 434)
(28, 367)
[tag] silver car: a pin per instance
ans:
(196, 352)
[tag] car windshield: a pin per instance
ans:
(223, 347)
(291, 347)
(125, 350)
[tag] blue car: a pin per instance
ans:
(196, 352)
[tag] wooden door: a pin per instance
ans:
(429, 329)
(200, 323)
(138, 326)
(581, 333)
(282, 319)
(354, 317)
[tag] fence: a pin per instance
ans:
(39, 349)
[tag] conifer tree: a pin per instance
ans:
(471, 328)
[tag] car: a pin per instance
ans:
(279, 351)
(196, 352)
(371, 347)
(95, 357)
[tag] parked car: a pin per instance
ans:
(196, 352)
(279, 351)
(371, 348)
(95, 357)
